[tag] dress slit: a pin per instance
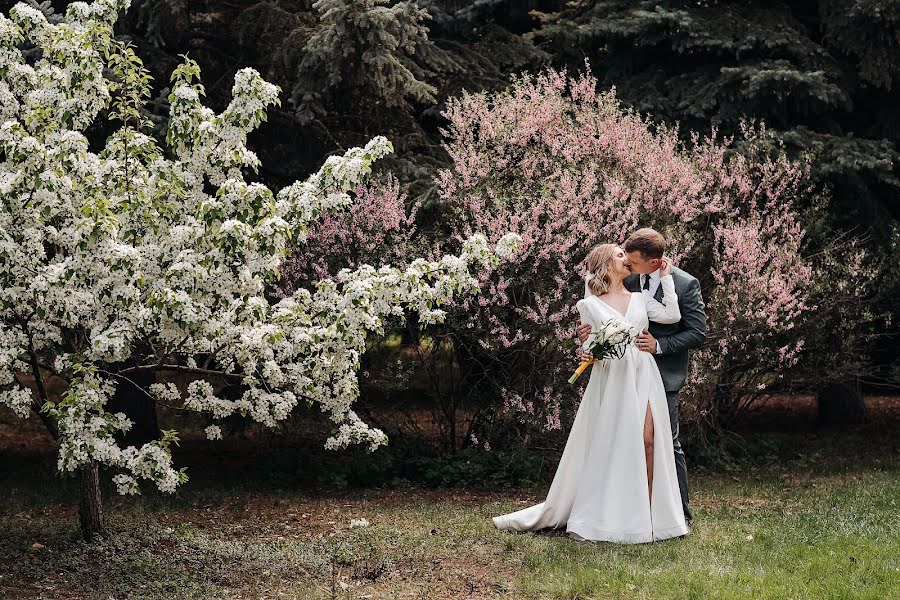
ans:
(649, 409)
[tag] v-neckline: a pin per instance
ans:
(612, 308)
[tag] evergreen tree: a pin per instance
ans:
(808, 70)
(157, 17)
(866, 31)
(367, 52)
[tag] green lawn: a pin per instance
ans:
(793, 526)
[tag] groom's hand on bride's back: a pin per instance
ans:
(646, 342)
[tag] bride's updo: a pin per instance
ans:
(599, 262)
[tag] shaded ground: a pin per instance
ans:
(805, 515)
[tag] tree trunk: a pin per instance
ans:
(410, 333)
(137, 406)
(90, 510)
(841, 404)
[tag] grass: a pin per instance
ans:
(817, 518)
(822, 537)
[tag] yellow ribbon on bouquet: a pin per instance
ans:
(584, 365)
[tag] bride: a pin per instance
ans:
(614, 484)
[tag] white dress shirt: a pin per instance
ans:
(654, 282)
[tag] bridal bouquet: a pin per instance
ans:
(609, 341)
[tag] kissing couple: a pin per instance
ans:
(622, 477)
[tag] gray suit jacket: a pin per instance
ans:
(675, 340)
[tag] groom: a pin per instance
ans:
(644, 251)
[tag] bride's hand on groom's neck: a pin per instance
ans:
(665, 266)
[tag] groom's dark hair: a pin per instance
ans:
(649, 242)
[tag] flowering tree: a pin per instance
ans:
(133, 260)
(566, 167)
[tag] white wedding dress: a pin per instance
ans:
(599, 492)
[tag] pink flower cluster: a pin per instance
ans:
(375, 230)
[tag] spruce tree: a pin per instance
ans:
(366, 51)
(819, 74)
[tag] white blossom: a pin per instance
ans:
(123, 423)
(165, 392)
(126, 484)
(18, 399)
(508, 245)
(124, 256)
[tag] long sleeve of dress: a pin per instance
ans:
(584, 312)
(667, 311)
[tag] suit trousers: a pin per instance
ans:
(680, 463)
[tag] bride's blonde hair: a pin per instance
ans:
(599, 262)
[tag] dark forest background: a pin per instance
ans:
(823, 74)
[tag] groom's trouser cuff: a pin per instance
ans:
(680, 463)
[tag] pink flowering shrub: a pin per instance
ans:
(758, 286)
(375, 230)
(566, 167)
(787, 312)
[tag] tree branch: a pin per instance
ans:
(39, 381)
(181, 369)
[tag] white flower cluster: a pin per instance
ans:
(86, 434)
(214, 146)
(66, 85)
(124, 255)
(611, 339)
(508, 245)
(326, 191)
(614, 330)
(19, 399)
